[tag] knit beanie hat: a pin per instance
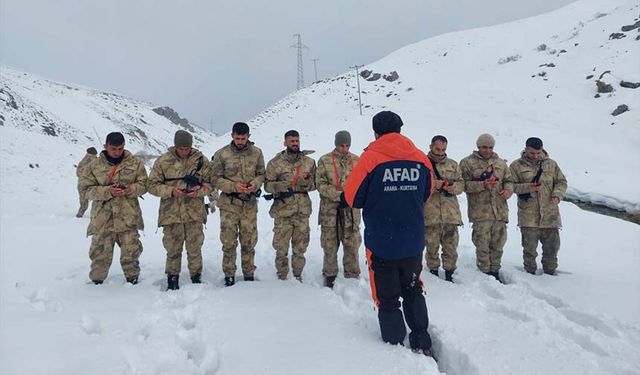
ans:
(183, 139)
(92, 151)
(386, 122)
(342, 138)
(485, 140)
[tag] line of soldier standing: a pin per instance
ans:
(182, 177)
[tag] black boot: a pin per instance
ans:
(196, 279)
(229, 281)
(434, 272)
(97, 282)
(132, 280)
(329, 281)
(496, 275)
(172, 282)
(448, 275)
(249, 278)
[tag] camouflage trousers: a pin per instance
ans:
(84, 202)
(101, 253)
(550, 239)
(191, 236)
(294, 230)
(445, 235)
(489, 238)
(330, 237)
(234, 226)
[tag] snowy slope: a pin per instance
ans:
(82, 116)
(458, 84)
(586, 320)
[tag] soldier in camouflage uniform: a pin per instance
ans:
(180, 177)
(488, 186)
(114, 182)
(238, 171)
(290, 177)
(88, 158)
(540, 185)
(442, 212)
(337, 223)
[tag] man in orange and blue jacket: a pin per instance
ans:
(391, 183)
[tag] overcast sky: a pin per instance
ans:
(224, 61)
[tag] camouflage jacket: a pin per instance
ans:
(88, 158)
(167, 173)
(442, 207)
(295, 171)
(108, 213)
(537, 210)
(333, 170)
(231, 166)
(484, 204)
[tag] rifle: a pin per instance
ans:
(191, 180)
(439, 177)
(281, 196)
(486, 174)
(241, 196)
(536, 179)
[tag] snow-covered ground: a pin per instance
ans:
(585, 320)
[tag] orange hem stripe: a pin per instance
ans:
(372, 280)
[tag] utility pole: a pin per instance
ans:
(211, 124)
(300, 46)
(315, 68)
(356, 67)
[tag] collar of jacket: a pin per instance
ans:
(436, 158)
(477, 155)
(112, 160)
(340, 156)
(234, 148)
(543, 157)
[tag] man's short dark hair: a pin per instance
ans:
(240, 128)
(440, 138)
(115, 139)
(534, 143)
(292, 133)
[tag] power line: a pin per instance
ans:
(300, 46)
(356, 67)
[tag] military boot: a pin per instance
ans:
(132, 280)
(329, 281)
(434, 272)
(229, 281)
(172, 282)
(448, 275)
(425, 352)
(249, 278)
(196, 279)
(496, 275)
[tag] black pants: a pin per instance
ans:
(394, 278)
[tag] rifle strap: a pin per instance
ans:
(112, 173)
(335, 170)
(435, 170)
(296, 176)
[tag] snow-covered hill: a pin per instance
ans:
(82, 116)
(586, 320)
(533, 77)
